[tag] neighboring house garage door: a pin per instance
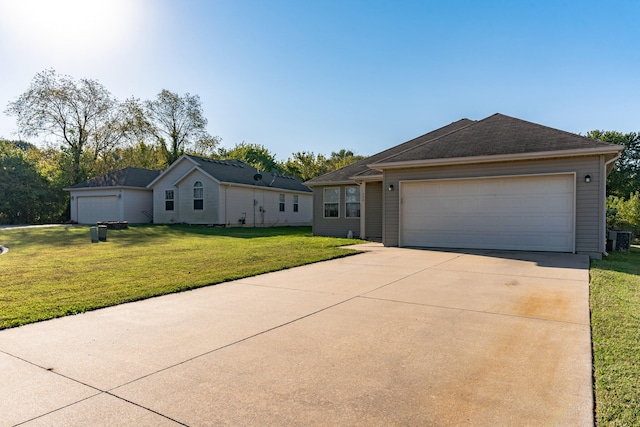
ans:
(93, 209)
(533, 213)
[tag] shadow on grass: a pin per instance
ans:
(142, 233)
(80, 234)
(621, 262)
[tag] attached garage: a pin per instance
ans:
(535, 213)
(117, 196)
(92, 209)
(499, 183)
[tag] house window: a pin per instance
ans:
(168, 200)
(352, 202)
(282, 203)
(331, 199)
(295, 203)
(198, 199)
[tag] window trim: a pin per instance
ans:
(325, 203)
(171, 200)
(295, 203)
(281, 202)
(198, 186)
(346, 202)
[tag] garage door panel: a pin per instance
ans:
(92, 209)
(526, 213)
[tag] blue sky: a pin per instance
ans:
(324, 75)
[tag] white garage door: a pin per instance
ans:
(93, 209)
(517, 213)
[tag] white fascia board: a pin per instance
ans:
(190, 171)
(119, 187)
(497, 158)
(170, 168)
(255, 187)
(367, 178)
(329, 183)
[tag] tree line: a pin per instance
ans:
(623, 183)
(91, 133)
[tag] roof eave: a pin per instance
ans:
(171, 167)
(497, 158)
(190, 171)
(110, 187)
(274, 188)
(367, 178)
(325, 183)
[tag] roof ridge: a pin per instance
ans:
(549, 128)
(423, 143)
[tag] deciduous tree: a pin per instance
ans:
(79, 114)
(305, 165)
(341, 159)
(254, 154)
(28, 195)
(625, 177)
(177, 123)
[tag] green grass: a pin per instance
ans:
(615, 324)
(53, 272)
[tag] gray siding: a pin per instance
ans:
(589, 197)
(333, 227)
(373, 211)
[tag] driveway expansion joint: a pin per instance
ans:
(469, 310)
(247, 338)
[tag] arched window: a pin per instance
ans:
(198, 198)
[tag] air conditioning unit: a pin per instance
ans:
(620, 240)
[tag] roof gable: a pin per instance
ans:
(237, 172)
(360, 167)
(127, 177)
(497, 135)
(466, 141)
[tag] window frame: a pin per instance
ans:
(281, 202)
(325, 203)
(295, 203)
(168, 200)
(347, 202)
(198, 199)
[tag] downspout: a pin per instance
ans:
(225, 205)
(363, 213)
(603, 230)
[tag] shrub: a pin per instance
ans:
(624, 214)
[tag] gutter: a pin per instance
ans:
(495, 158)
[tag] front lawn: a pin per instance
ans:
(52, 272)
(615, 324)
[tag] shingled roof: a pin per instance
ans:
(238, 172)
(127, 177)
(360, 168)
(497, 135)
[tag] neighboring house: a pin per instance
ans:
(117, 196)
(497, 183)
(197, 190)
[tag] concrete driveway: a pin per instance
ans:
(388, 337)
